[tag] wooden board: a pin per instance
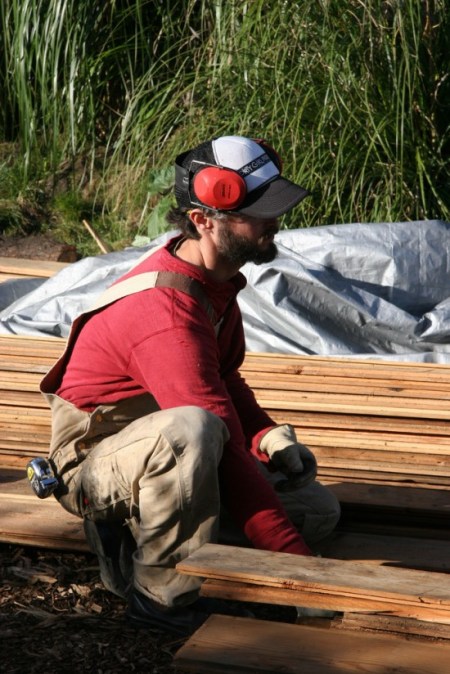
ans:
(392, 495)
(321, 583)
(45, 347)
(361, 385)
(390, 624)
(301, 401)
(226, 644)
(30, 523)
(361, 422)
(287, 596)
(389, 550)
(20, 268)
(27, 520)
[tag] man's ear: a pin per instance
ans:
(200, 220)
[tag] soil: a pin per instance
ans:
(37, 247)
(56, 616)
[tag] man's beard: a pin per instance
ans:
(238, 250)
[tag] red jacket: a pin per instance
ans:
(163, 342)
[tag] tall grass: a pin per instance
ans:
(355, 94)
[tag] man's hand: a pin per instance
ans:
(289, 456)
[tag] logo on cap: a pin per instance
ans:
(254, 165)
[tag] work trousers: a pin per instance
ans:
(159, 474)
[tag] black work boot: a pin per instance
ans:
(179, 620)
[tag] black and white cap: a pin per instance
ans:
(267, 194)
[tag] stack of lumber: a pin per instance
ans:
(397, 601)
(25, 426)
(380, 430)
(25, 421)
(412, 503)
(363, 419)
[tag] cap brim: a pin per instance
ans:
(273, 200)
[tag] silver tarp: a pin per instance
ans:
(352, 289)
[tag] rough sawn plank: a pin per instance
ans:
(226, 645)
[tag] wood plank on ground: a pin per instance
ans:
(226, 644)
(391, 495)
(286, 596)
(24, 521)
(396, 550)
(321, 583)
(20, 268)
(391, 624)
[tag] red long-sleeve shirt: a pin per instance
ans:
(163, 342)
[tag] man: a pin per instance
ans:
(152, 424)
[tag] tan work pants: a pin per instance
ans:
(160, 474)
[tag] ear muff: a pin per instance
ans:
(219, 188)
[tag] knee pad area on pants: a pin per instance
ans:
(195, 428)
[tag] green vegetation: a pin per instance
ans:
(98, 97)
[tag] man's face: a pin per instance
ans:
(243, 240)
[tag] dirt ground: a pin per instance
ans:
(37, 247)
(56, 616)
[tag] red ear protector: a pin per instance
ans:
(223, 188)
(220, 188)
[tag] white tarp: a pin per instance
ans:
(357, 289)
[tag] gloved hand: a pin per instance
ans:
(289, 456)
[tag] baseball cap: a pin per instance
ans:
(266, 194)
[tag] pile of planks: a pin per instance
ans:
(25, 421)
(376, 498)
(363, 419)
(380, 431)
(398, 602)
(25, 427)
